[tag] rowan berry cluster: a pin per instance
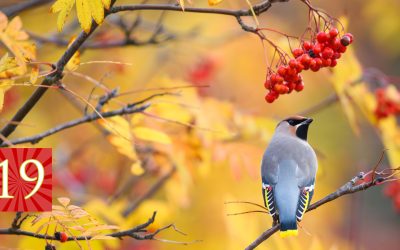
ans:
(385, 106)
(323, 51)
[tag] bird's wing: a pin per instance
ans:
(306, 194)
(269, 173)
(305, 175)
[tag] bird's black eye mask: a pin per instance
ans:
(294, 122)
(302, 130)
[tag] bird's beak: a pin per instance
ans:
(308, 121)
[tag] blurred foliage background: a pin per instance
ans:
(218, 159)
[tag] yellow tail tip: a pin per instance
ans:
(287, 233)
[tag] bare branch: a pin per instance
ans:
(138, 232)
(88, 118)
(258, 9)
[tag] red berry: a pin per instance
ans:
(273, 78)
(282, 70)
(314, 66)
(293, 63)
(349, 35)
(327, 53)
(285, 89)
(333, 33)
(337, 55)
(297, 52)
(322, 37)
(305, 60)
(277, 87)
(291, 72)
(268, 84)
(335, 44)
(281, 89)
(345, 41)
(279, 79)
(299, 87)
(299, 67)
(61, 236)
(307, 45)
(318, 61)
(333, 63)
(270, 97)
(296, 78)
(342, 48)
(291, 86)
(326, 62)
(317, 48)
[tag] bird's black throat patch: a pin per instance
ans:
(302, 131)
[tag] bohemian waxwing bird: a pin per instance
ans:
(288, 170)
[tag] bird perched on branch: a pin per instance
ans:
(288, 170)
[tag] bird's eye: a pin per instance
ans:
(291, 122)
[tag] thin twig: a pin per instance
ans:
(88, 118)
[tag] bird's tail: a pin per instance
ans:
(288, 228)
(287, 196)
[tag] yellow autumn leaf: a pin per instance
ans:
(149, 134)
(137, 169)
(123, 146)
(84, 14)
(214, 2)
(121, 136)
(7, 63)
(86, 10)
(16, 40)
(118, 126)
(97, 10)
(6, 80)
(64, 7)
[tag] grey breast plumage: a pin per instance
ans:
(285, 147)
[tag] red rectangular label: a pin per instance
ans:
(25, 179)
